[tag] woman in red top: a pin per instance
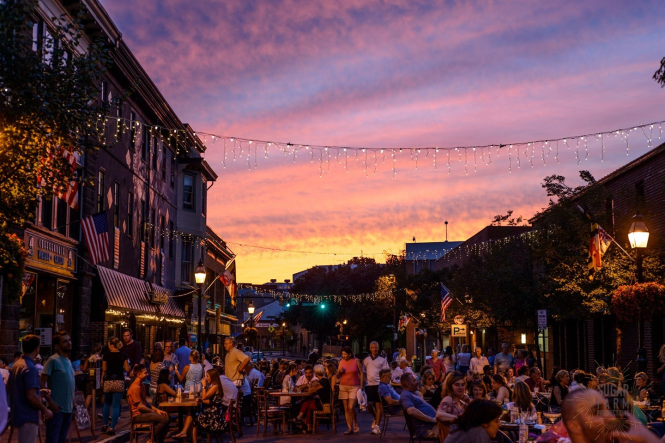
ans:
(437, 366)
(350, 376)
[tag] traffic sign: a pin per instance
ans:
(458, 331)
(271, 329)
(459, 320)
(542, 319)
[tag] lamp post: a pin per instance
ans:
(283, 339)
(393, 280)
(250, 310)
(638, 235)
(200, 277)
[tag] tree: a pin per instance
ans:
(659, 75)
(49, 102)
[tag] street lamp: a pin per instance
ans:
(638, 235)
(200, 278)
(250, 310)
(283, 339)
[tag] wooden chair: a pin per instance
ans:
(235, 425)
(137, 429)
(330, 414)
(268, 413)
(412, 433)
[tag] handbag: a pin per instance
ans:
(114, 386)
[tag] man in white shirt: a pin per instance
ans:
(4, 371)
(478, 361)
(230, 390)
(254, 376)
(372, 365)
(305, 380)
(401, 370)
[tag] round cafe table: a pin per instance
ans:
(181, 407)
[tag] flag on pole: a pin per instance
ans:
(404, 321)
(71, 194)
(446, 300)
(228, 279)
(598, 244)
(258, 316)
(96, 231)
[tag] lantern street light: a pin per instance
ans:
(283, 339)
(638, 235)
(200, 278)
(250, 310)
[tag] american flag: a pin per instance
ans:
(446, 300)
(71, 194)
(258, 316)
(96, 230)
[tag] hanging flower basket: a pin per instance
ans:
(641, 300)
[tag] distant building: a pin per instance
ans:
(421, 256)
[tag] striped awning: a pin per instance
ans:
(124, 292)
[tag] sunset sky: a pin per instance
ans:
(393, 74)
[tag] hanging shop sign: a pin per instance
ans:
(458, 331)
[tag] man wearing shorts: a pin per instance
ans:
(372, 365)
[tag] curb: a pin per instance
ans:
(119, 437)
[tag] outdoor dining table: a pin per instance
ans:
(181, 407)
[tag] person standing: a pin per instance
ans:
(478, 362)
(449, 359)
(114, 367)
(313, 357)
(141, 411)
(437, 366)
(235, 361)
(464, 359)
(170, 359)
(350, 376)
(24, 397)
(58, 376)
(503, 360)
(372, 365)
(182, 354)
(132, 348)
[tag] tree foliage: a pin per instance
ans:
(49, 101)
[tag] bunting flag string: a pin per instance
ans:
(470, 157)
(286, 296)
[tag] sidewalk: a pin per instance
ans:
(396, 433)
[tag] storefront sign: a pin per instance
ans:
(158, 297)
(45, 336)
(43, 251)
(458, 331)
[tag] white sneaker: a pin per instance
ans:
(376, 430)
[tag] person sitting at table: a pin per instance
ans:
(535, 382)
(478, 390)
(288, 385)
(510, 377)
(156, 365)
(229, 389)
(487, 381)
(278, 378)
(255, 376)
(320, 387)
(163, 384)
(522, 374)
(427, 386)
(478, 424)
(389, 397)
(139, 408)
(192, 374)
(305, 380)
(500, 390)
(402, 369)
(560, 390)
(422, 414)
(331, 370)
(522, 399)
(642, 388)
(455, 399)
(211, 417)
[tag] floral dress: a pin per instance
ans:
(454, 408)
(211, 419)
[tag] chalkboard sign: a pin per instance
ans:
(80, 411)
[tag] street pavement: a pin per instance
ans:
(396, 433)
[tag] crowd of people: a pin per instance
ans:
(456, 397)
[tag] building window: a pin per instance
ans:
(130, 214)
(188, 201)
(145, 144)
(171, 235)
(162, 226)
(154, 153)
(204, 201)
(142, 220)
(37, 33)
(116, 204)
(61, 216)
(100, 191)
(104, 91)
(152, 228)
(165, 152)
(132, 129)
(47, 212)
(173, 169)
(186, 263)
